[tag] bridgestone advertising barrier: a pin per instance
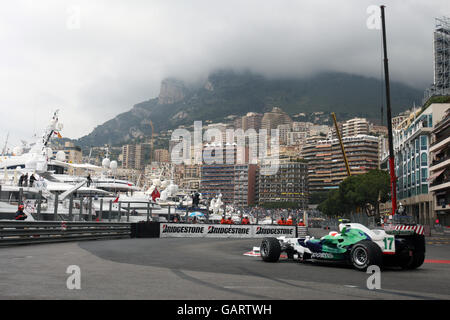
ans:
(168, 230)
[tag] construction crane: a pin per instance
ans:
(341, 143)
(389, 117)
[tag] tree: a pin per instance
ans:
(363, 191)
(318, 197)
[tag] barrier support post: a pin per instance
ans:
(20, 196)
(90, 209)
(39, 201)
(110, 210)
(55, 212)
(71, 207)
(101, 210)
(81, 209)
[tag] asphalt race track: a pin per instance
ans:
(198, 269)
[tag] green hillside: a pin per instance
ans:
(229, 93)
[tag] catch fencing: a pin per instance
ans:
(23, 232)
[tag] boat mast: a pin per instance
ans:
(6, 145)
(389, 118)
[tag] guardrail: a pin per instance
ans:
(24, 232)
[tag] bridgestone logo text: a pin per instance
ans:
(213, 229)
(169, 229)
(274, 231)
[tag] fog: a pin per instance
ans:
(96, 59)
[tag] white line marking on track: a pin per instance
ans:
(246, 287)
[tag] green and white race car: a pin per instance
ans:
(404, 246)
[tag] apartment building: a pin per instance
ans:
(354, 127)
(440, 169)
(272, 119)
(326, 165)
(411, 151)
(135, 156)
(289, 184)
(161, 155)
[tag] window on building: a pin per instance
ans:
(424, 188)
(424, 159)
(423, 142)
(424, 174)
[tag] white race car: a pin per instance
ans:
(354, 244)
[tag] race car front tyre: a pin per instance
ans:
(270, 249)
(364, 254)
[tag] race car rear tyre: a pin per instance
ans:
(270, 249)
(417, 260)
(364, 254)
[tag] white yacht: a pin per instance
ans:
(125, 198)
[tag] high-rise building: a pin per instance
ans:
(289, 184)
(440, 169)
(283, 131)
(218, 153)
(318, 154)
(161, 155)
(442, 55)
(237, 123)
(326, 165)
(73, 155)
(244, 185)
(272, 119)
(236, 183)
(296, 138)
(411, 151)
(135, 156)
(441, 52)
(354, 127)
(129, 156)
(252, 120)
(218, 179)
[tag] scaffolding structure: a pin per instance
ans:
(441, 84)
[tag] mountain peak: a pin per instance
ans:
(171, 91)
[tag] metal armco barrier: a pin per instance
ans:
(23, 232)
(302, 232)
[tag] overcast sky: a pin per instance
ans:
(95, 59)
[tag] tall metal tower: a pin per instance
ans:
(441, 50)
(442, 56)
